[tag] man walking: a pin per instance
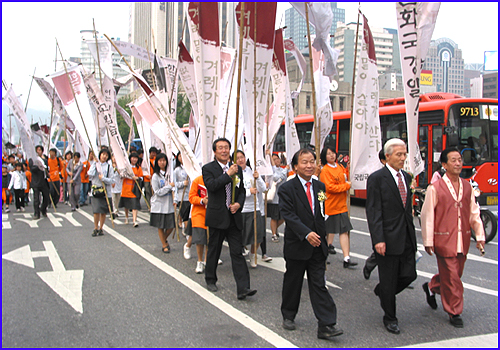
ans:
(449, 213)
(390, 221)
(39, 183)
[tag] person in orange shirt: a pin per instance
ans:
(131, 193)
(334, 176)
(147, 179)
(198, 198)
(28, 183)
(85, 179)
(55, 168)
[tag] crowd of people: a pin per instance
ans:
(228, 203)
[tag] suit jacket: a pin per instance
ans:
(218, 216)
(38, 178)
(388, 219)
(300, 220)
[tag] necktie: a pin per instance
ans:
(402, 190)
(228, 190)
(309, 197)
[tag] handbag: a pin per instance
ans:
(98, 191)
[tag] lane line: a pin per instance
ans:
(259, 329)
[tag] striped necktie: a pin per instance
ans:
(402, 190)
(228, 189)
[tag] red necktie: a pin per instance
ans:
(309, 197)
(402, 190)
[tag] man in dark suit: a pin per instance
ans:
(305, 246)
(390, 221)
(223, 217)
(39, 183)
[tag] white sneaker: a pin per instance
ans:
(265, 258)
(187, 252)
(22, 208)
(219, 262)
(199, 267)
(7, 210)
(245, 252)
(252, 260)
(18, 210)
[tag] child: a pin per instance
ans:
(18, 184)
(6, 195)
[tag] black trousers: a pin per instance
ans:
(44, 191)
(19, 195)
(322, 302)
(371, 262)
(396, 272)
(55, 191)
(239, 265)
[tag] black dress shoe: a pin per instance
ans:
(431, 299)
(246, 293)
(44, 214)
(349, 263)
(393, 328)
(331, 249)
(36, 217)
(329, 332)
(288, 324)
(366, 273)
(212, 287)
(456, 321)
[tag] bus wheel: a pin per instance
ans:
(489, 223)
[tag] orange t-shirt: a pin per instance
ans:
(28, 181)
(128, 184)
(54, 169)
(83, 175)
(198, 211)
(63, 171)
(336, 189)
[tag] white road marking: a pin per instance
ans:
(20, 256)
(5, 222)
(54, 220)
(259, 329)
(69, 217)
(476, 341)
(32, 223)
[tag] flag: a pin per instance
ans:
(81, 147)
(123, 113)
(205, 45)
(75, 100)
(256, 82)
(187, 77)
(324, 111)
(23, 126)
(228, 64)
(145, 136)
(167, 70)
(321, 18)
(133, 50)
(365, 117)
(283, 108)
(301, 62)
(105, 59)
(415, 26)
(104, 109)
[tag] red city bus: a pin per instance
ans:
(445, 119)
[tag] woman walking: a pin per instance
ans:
(182, 185)
(131, 193)
(74, 180)
(101, 174)
(162, 204)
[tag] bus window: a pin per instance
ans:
(304, 132)
(424, 151)
(344, 125)
(393, 126)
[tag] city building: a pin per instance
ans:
(490, 85)
(444, 59)
(296, 25)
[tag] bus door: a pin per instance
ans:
(431, 145)
(423, 144)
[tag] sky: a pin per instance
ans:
(30, 30)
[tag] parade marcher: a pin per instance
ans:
(131, 192)
(182, 186)
(262, 218)
(279, 177)
(28, 183)
(199, 199)
(334, 176)
(39, 183)
(147, 179)
(224, 219)
(101, 174)
(116, 188)
(6, 194)
(85, 179)
(68, 157)
(302, 206)
(55, 168)
(390, 221)
(18, 185)
(11, 163)
(449, 213)
(162, 204)
(74, 180)
(250, 178)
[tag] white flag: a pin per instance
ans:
(415, 26)
(366, 135)
(103, 47)
(301, 62)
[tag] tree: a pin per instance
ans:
(123, 128)
(183, 110)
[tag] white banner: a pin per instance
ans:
(415, 26)
(136, 51)
(228, 64)
(103, 46)
(205, 45)
(81, 147)
(366, 135)
(169, 65)
(81, 115)
(257, 70)
(301, 62)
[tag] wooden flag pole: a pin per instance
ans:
(255, 130)
(240, 60)
(229, 100)
(52, 105)
(313, 90)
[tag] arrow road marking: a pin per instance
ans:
(22, 256)
(5, 222)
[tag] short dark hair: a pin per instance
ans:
(104, 150)
(156, 168)
(77, 155)
(11, 156)
(53, 150)
(69, 152)
(444, 155)
(153, 149)
(322, 156)
(381, 154)
(214, 144)
(295, 158)
(19, 164)
(39, 146)
(177, 161)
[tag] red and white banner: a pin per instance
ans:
(23, 127)
(257, 71)
(205, 45)
(324, 117)
(283, 107)
(415, 26)
(104, 108)
(301, 62)
(145, 135)
(366, 139)
(79, 108)
(105, 60)
(187, 77)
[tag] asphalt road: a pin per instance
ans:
(63, 288)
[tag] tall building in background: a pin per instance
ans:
(297, 30)
(444, 59)
(89, 64)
